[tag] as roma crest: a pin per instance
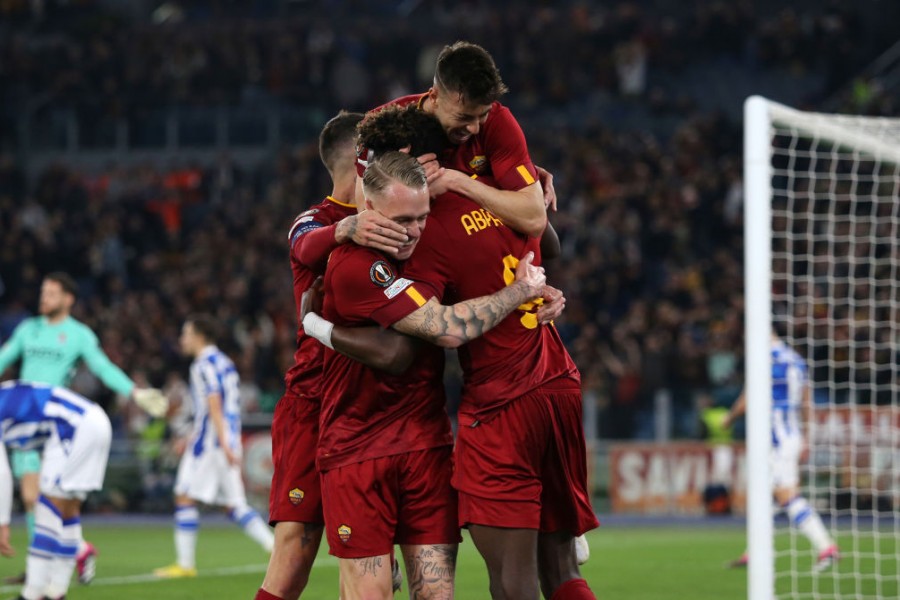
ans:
(344, 532)
(296, 496)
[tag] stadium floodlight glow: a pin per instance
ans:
(822, 268)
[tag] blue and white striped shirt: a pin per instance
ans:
(29, 413)
(212, 372)
(789, 379)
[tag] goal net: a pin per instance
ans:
(822, 269)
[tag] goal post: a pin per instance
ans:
(758, 323)
(822, 268)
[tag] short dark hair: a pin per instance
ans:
(393, 166)
(66, 281)
(468, 69)
(205, 325)
(338, 133)
(395, 127)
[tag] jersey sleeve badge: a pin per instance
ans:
(382, 274)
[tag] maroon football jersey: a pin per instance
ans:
(465, 252)
(368, 413)
(498, 150)
(304, 378)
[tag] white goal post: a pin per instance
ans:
(822, 267)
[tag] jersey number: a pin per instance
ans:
(529, 318)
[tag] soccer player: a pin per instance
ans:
(295, 500)
(520, 456)
(790, 396)
(385, 440)
(49, 346)
(485, 139)
(210, 470)
(75, 434)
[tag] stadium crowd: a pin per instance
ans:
(650, 223)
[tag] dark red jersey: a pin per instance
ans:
(304, 378)
(465, 252)
(498, 150)
(368, 413)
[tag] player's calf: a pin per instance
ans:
(296, 546)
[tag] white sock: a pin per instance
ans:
(253, 526)
(43, 549)
(64, 564)
(187, 521)
(805, 518)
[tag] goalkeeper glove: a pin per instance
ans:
(152, 400)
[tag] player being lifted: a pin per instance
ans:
(485, 139)
(790, 396)
(210, 468)
(75, 434)
(49, 346)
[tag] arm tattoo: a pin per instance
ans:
(346, 229)
(431, 571)
(463, 321)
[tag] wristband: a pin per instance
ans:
(317, 327)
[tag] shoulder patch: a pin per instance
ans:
(397, 287)
(382, 274)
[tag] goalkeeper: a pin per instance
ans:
(790, 395)
(49, 347)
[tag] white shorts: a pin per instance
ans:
(785, 462)
(75, 467)
(209, 478)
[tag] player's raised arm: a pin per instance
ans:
(96, 360)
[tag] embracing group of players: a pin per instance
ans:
(362, 443)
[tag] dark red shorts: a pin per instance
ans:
(296, 493)
(525, 467)
(401, 499)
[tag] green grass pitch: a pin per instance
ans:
(638, 563)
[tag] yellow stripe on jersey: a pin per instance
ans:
(525, 174)
(415, 295)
